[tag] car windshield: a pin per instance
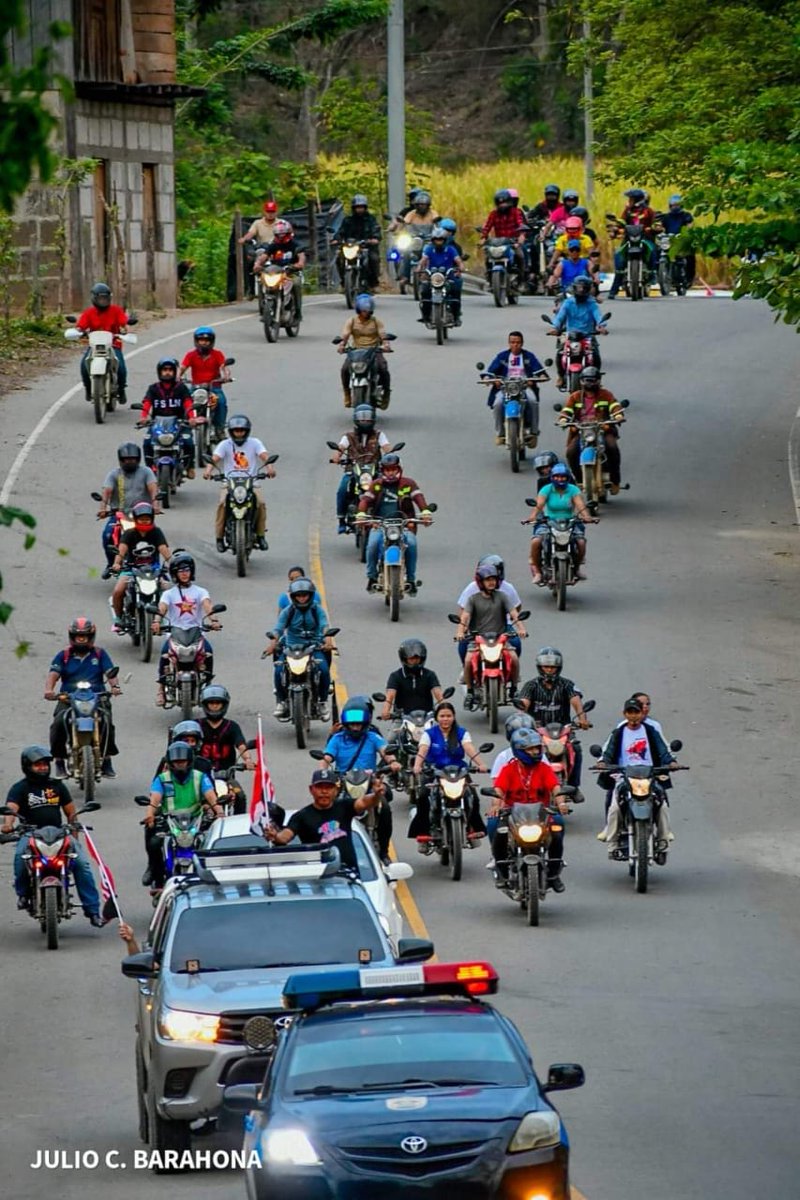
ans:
(402, 1050)
(275, 933)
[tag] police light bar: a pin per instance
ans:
(312, 989)
(251, 864)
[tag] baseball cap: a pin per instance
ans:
(632, 705)
(573, 244)
(325, 775)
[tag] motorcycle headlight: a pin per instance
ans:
(403, 241)
(185, 838)
(437, 279)
(84, 708)
(536, 1129)
(365, 480)
(166, 439)
(178, 1026)
(663, 241)
(529, 833)
(350, 252)
(393, 534)
(575, 347)
(240, 493)
(553, 749)
(273, 280)
(289, 1146)
(562, 537)
(360, 368)
(497, 251)
(492, 654)
(452, 789)
(298, 666)
(589, 439)
(640, 787)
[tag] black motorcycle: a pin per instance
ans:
(524, 871)
(241, 511)
(301, 681)
(361, 477)
(142, 591)
(355, 268)
(365, 387)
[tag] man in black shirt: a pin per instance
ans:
(413, 687)
(223, 739)
(329, 818)
(139, 547)
(553, 698)
(39, 800)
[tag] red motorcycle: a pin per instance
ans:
(490, 665)
(561, 747)
(574, 351)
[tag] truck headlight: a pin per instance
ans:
(178, 1026)
(290, 1146)
(536, 1129)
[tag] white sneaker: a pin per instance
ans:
(324, 712)
(281, 711)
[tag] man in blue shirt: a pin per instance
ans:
(81, 662)
(302, 623)
(358, 747)
(440, 255)
(515, 363)
(581, 313)
(673, 222)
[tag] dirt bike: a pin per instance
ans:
(103, 365)
(392, 580)
(277, 302)
(594, 479)
(87, 718)
(441, 316)
(241, 511)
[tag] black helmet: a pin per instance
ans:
(129, 452)
(590, 377)
(391, 460)
(364, 417)
(503, 196)
(412, 648)
(518, 720)
(580, 211)
(82, 627)
(494, 560)
(215, 693)
(163, 363)
(143, 511)
(177, 752)
(239, 427)
(552, 189)
(101, 295)
(582, 287)
(544, 460)
(300, 587)
(181, 558)
(31, 755)
(548, 656)
(186, 729)
(357, 713)
(570, 194)
(636, 195)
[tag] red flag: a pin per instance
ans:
(263, 789)
(108, 887)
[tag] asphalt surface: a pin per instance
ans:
(682, 1005)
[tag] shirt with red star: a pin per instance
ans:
(185, 605)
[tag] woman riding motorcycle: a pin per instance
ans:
(445, 744)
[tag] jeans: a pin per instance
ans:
(375, 554)
(453, 299)
(122, 371)
(530, 411)
(81, 873)
(324, 687)
(219, 414)
(107, 538)
(343, 493)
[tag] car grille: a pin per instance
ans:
(392, 1160)
(231, 1025)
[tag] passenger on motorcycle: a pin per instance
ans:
(569, 267)
(594, 403)
(357, 746)
(329, 818)
(451, 229)
(292, 574)
(360, 332)
(515, 720)
(139, 547)
(206, 367)
(423, 213)
(544, 210)
(40, 800)
(559, 500)
(178, 788)
(169, 398)
(527, 780)
(302, 624)
(636, 212)
(185, 606)
(284, 251)
(445, 744)
(488, 611)
(104, 316)
(506, 221)
(515, 363)
(221, 739)
(552, 697)
(579, 312)
(363, 447)
(439, 255)
(398, 221)
(128, 484)
(81, 662)
(573, 230)
(240, 452)
(543, 464)
(413, 687)
(492, 560)
(361, 226)
(635, 741)
(262, 230)
(393, 494)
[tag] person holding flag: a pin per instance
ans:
(264, 810)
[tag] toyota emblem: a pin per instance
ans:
(414, 1144)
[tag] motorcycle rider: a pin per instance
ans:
(360, 332)
(492, 560)
(40, 800)
(514, 721)
(569, 266)
(413, 687)
(283, 250)
(423, 214)
(240, 452)
(361, 226)
(591, 402)
(81, 662)
(445, 744)
(451, 229)
(527, 780)
(302, 624)
(104, 316)
(262, 230)
(506, 220)
(673, 222)
(439, 255)
(392, 494)
(128, 484)
(579, 312)
(558, 500)
(206, 366)
(221, 738)
(362, 446)
(169, 398)
(544, 210)
(636, 212)
(177, 788)
(185, 605)
(292, 574)
(488, 611)
(634, 742)
(142, 545)
(573, 230)
(357, 746)
(329, 818)
(515, 363)
(552, 697)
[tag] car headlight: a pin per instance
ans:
(179, 1026)
(289, 1146)
(529, 833)
(536, 1129)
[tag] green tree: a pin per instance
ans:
(705, 99)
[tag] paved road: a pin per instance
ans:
(682, 1004)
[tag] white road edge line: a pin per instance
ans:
(794, 464)
(57, 405)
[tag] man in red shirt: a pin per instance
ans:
(506, 220)
(104, 316)
(525, 779)
(206, 367)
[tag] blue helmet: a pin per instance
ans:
(675, 201)
(560, 472)
(204, 331)
(526, 745)
(364, 303)
(357, 714)
(449, 225)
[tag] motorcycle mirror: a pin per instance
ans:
(433, 508)
(337, 341)
(530, 503)
(142, 801)
(589, 705)
(71, 320)
(391, 337)
(624, 403)
(557, 407)
(523, 616)
(229, 362)
(113, 673)
(135, 407)
(269, 634)
(488, 792)
(128, 678)
(676, 745)
(96, 496)
(317, 754)
(272, 458)
(547, 319)
(548, 362)
(595, 750)
(5, 811)
(388, 217)
(209, 458)
(332, 445)
(219, 608)
(486, 747)
(453, 619)
(479, 366)
(397, 447)
(606, 317)
(133, 319)
(448, 692)
(379, 696)
(92, 806)
(332, 632)
(252, 744)
(566, 789)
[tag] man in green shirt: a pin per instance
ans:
(178, 788)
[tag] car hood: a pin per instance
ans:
(391, 1116)
(232, 991)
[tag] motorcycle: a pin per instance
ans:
(354, 785)
(536, 255)
(230, 796)
(513, 393)
(502, 273)
(301, 680)
(560, 744)
(404, 740)
(142, 591)
(364, 385)
(441, 318)
(241, 508)
(204, 402)
(559, 557)
(185, 674)
(276, 301)
(362, 476)
(122, 524)
(594, 479)
(451, 799)
(48, 860)
(410, 241)
(637, 271)
(574, 351)
(180, 834)
(170, 460)
(392, 580)
(103, 365)
(87, 720)
(490, 666)
(530, 830)
(671, 273)
(355, 254)
(640, 795)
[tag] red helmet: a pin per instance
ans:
(283, 231)
(574, 226)
(270, 207)
(84, 629)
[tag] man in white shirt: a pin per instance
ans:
(240, 452)
(492, 560)
(185, 606)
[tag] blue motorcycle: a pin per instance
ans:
(520, 413)
(169, 443)
(180, 834)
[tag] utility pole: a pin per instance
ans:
(588, 123)
(396, 87)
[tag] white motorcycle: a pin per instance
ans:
(102, 366)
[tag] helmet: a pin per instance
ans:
(526, 745)
(31, 755)
(482, 573)
(180, 752)
(570, 194)
(438, 234)
(675, 201)
(186, 729)
(101, 295)
(514, 194)
(283, 231)
(301, 587)
(179, 560)
(143, 514)
(573, 225)
(590, 377)
(359, 201)
(548, 656)
(502, 196)
(412, 648)
(422, 200)
(270, 207)
(204, 331)
(364, 304)
(239, 428)
(412, 194)
(449, 225)
(215, 693)
(494, 560)
(164, 363)
(580, 211)
(356, 714)
(573, 244)
(560, 471)
(581, 287)
(518, 720)
(635, 195)
(552, 189)
(130, 452)
(547, 459)
(364, 417)
(82, 628)
(391, 462)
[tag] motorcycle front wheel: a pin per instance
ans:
(186, 699)
(393, 585)
(99, 398)
(164, 484)
(240, 548)
(499, 289)
(641, 839)
(456, 850)
(51, 918)
(299, 721)
(349, 288)
(438, 322)
(532, 897)
(492, 701)
(87, 769)
(512, 441)
(201, 444)
(271, 326)
(561, 584)
(145, 636)
(635, 279)
(664, 275)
